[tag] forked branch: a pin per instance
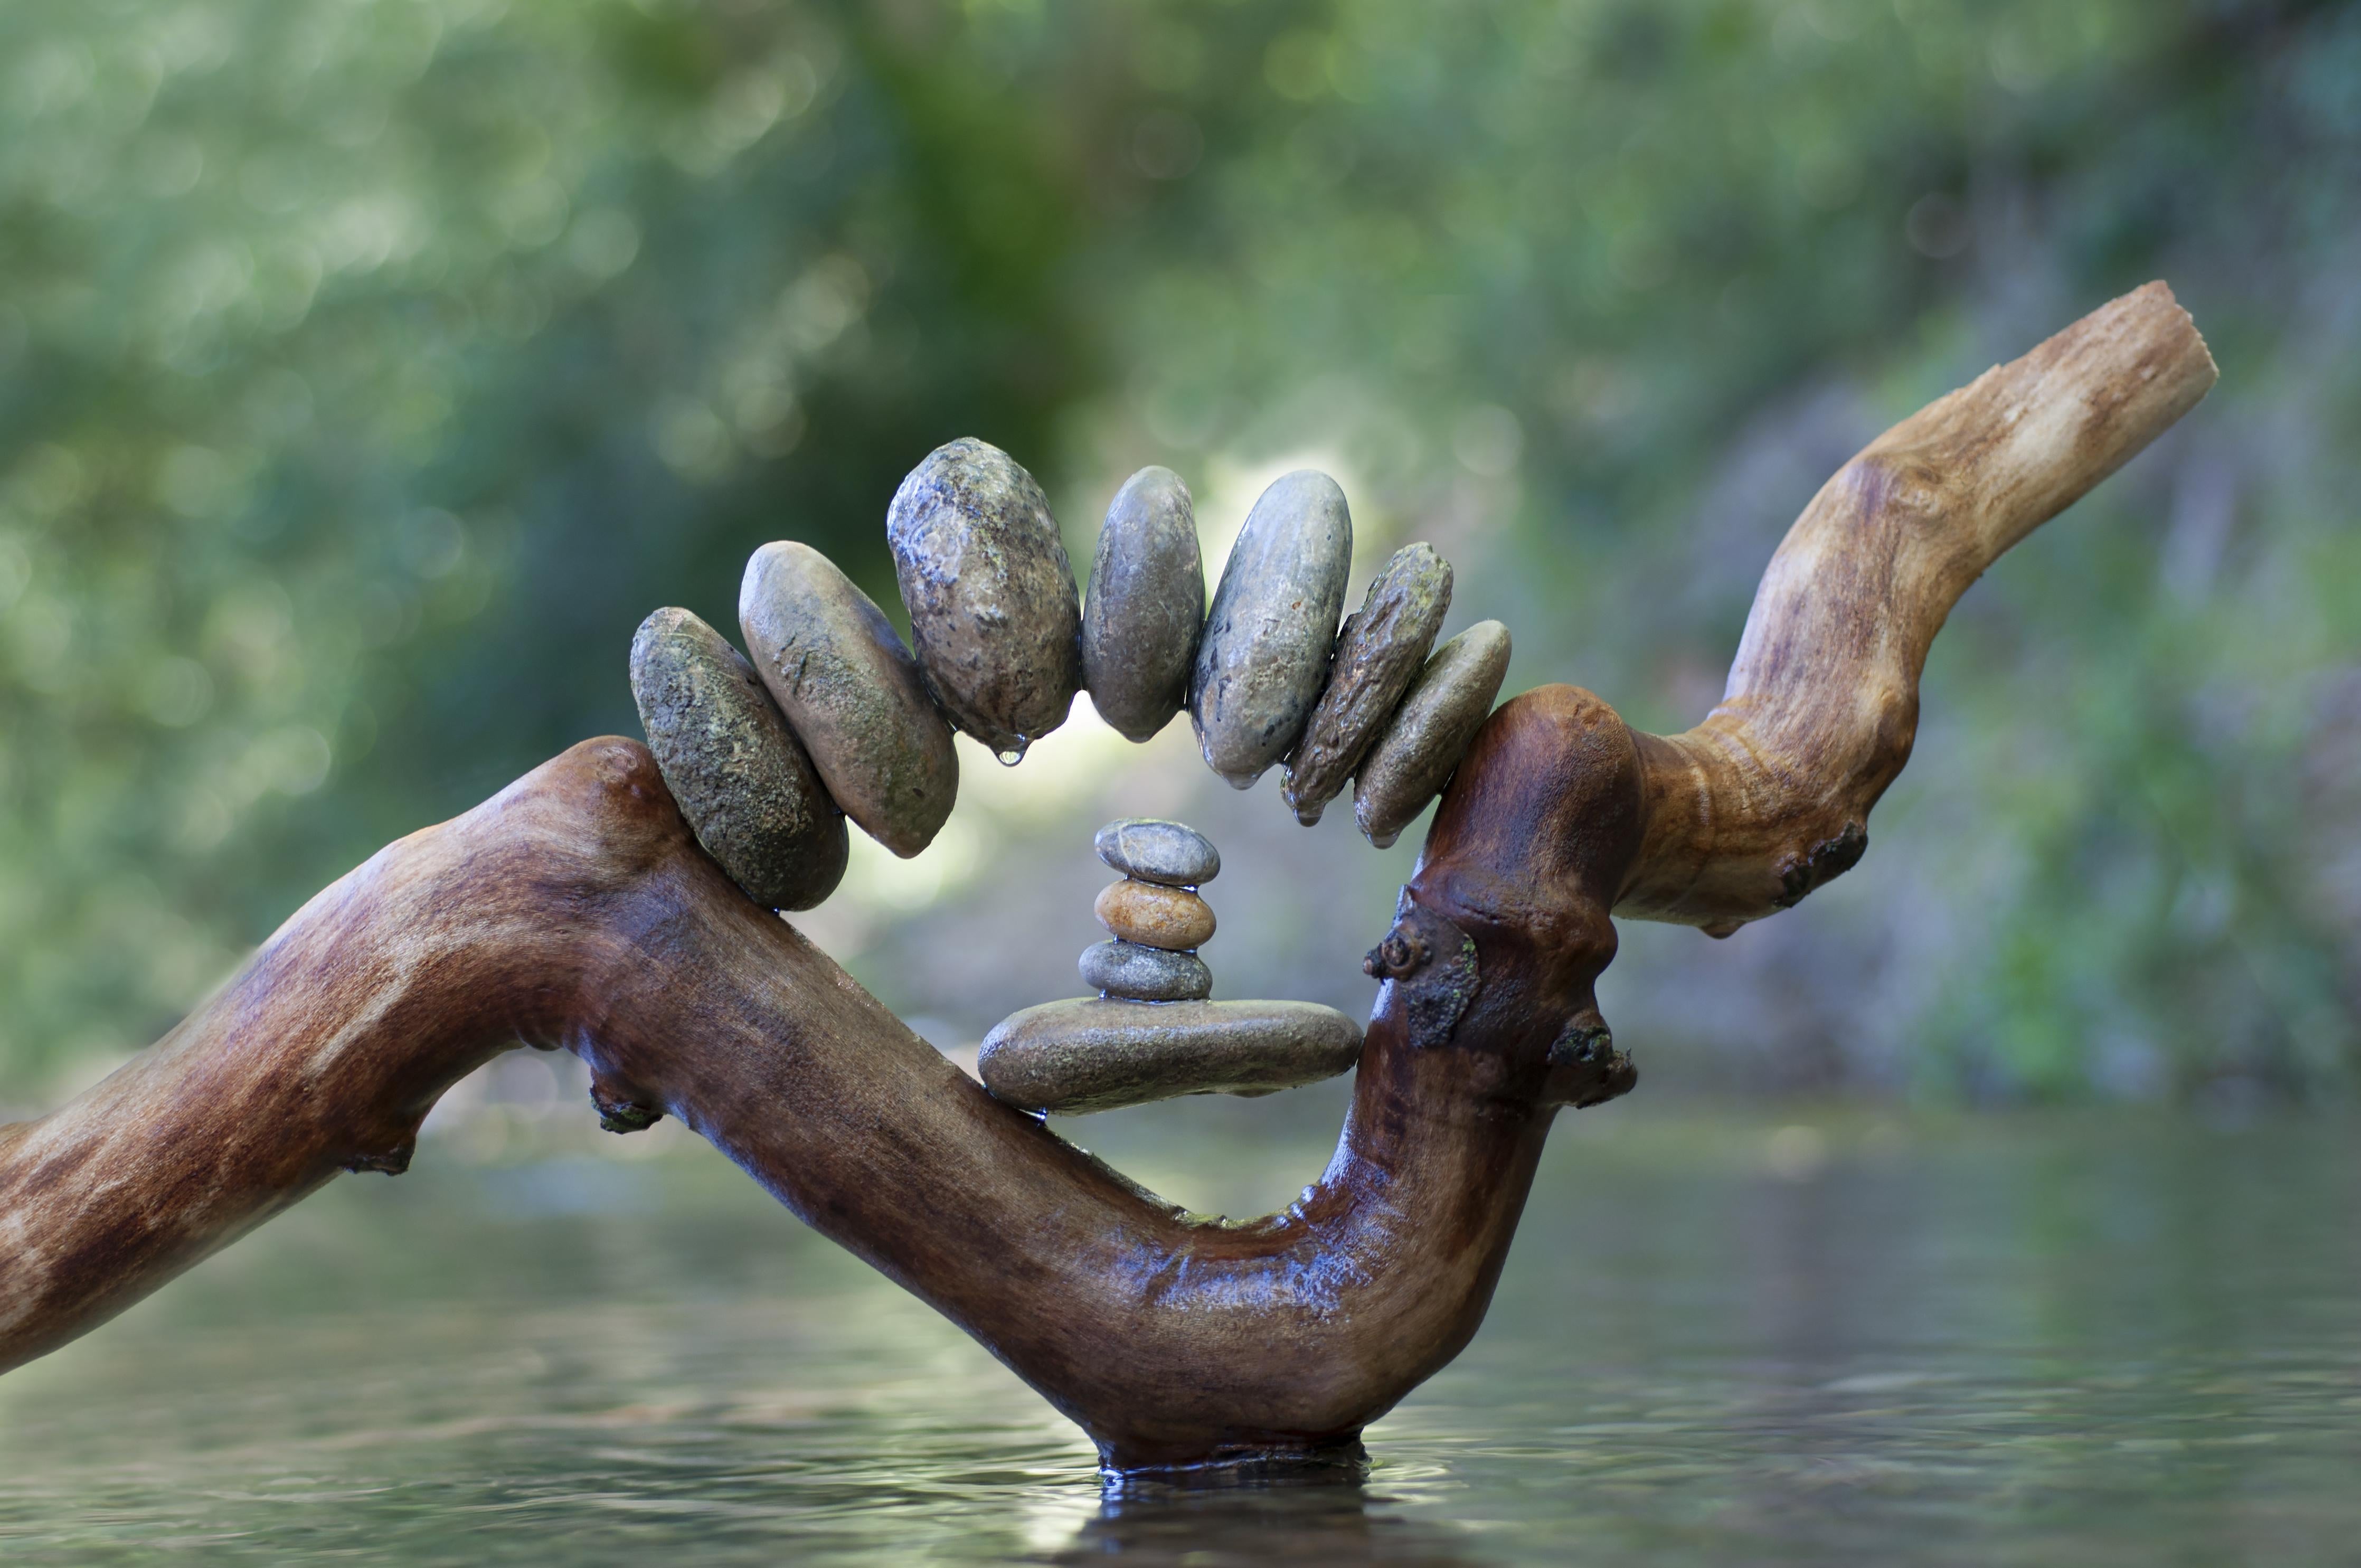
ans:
(575, 910)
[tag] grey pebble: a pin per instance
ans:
(1429, 733)
(1144, 974)
(737, 774)
(1264, 656)
(1146, 606)
(1090, 1054)
(852, 693)
(1378, 654)
(1153, 850)
(991, 594)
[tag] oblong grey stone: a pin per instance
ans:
(1144, 974)
(737, 774)
(991, 594)
(852, 693)
(1264, 655)
(1429, 733)
(1378, 654)
(1090, 1054)
(1146, 606)
(1153, 849)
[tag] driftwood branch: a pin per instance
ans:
(1770, 796)
(575, 911)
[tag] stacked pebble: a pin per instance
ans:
(831, 715)
(1157, 920)
(1150, 1033)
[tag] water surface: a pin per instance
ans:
(1718, 1340)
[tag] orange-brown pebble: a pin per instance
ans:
(1172, 918)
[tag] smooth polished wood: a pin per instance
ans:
(547, 916)
(575, 911)
(1770, 796)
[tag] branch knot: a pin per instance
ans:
(620, 1113)
(1433, 963)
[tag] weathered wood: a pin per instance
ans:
(543, 915)
(1770, 796)
(575, 910)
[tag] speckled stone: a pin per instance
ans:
(1378, 654)
(1429, 732)
(1155, 916)
(1153, 850)
(737, 774)
(991, 596)
(1264, 655)
(1144, 973)
(1091, 1054)
(852, 693)
(1146, 607)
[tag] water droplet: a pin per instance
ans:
(1015, 753)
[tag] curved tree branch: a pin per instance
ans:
(1770, 796)
(575, 910)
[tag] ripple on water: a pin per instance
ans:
(2014, 1343)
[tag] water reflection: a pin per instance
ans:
(1337, 1523)
(2114, 1342)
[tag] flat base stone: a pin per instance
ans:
(1094, 1053)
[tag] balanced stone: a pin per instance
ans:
(1090, 1054)
(991, 594)
(1144, 974)
(852, 693)
(1378, 656)
(1153, 850)
(1264, 656)
(1146, 607)
(737, 774)
(1154, 915)
(1422, 746)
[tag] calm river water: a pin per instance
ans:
(2097, 1340)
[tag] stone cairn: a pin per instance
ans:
(1151, 1032)
(834, 717)
(1156, 919)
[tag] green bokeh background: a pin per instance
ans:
(369, 370)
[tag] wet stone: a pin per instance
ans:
(1378, 654)
(1264, 655)
(738, 775)
(1146, 607)
(991, 596)
(1154, 915)
(1430, 732)
(1153, 850)
(1093, 1054)
(1144, 974)
(851, 693)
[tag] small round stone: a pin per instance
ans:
(1092, 1054)
(1144, 974)
(852, 693)
(1378, 656)
(1264, 655)
(991, 594)
(1153, 850)
(1146, 607)
(1429, 733)
(1154, 915)
(740, 778)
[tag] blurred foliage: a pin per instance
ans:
(369, 370)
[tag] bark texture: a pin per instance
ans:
(575, 911)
